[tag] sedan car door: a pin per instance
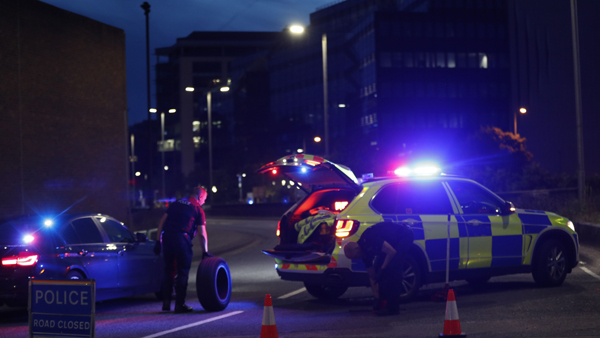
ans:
(86, 246)
(139, 267)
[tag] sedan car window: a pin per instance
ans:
(115, 231)
(85, 231)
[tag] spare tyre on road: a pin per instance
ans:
(213, 284)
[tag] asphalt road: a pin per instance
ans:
(507, 306)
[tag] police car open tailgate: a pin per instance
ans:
(312, 171)
(298, 256)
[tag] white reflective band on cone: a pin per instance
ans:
(268, 316)
(451, 310)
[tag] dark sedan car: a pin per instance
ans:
(76, 246)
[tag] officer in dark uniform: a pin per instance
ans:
(180, 224)
(382, 248)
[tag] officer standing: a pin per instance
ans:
(180, 224)
(382, 248)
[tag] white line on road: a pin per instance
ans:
(589, 272)
(292, 294)
(193, 324)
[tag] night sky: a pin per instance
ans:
(170, 20)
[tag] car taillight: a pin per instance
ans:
(346, 227)
(278, 228)
(339, 206)
(24, 259)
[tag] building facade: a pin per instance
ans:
(63, 143)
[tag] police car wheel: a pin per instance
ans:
(324, 291)
(74, 275)
(550, 267)
(412, 278)
(213, 284)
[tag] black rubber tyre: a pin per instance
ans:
(213, 284)
(325, 292)
(74, 275)
(413, 277)
(550, 266)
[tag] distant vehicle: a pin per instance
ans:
(73, 247)
(487, 236)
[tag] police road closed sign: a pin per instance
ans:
(62, 308)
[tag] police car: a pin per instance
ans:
(458, 225)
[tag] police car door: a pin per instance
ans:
(424, 205)
(495, 240)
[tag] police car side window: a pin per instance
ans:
(115, 231)
(425, 198)
(385, 200)
(473, 199)
(86, 231)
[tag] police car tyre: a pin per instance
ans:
(412, 279)
(213, 284)
(550, 267)
(325, 292)
(74, 275)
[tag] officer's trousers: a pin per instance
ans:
(177, 248)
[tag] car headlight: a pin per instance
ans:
(571, 225)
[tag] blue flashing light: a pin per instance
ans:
(422, 170)
(250, 201)
(303, 170)
(28, 239)
(48, 223)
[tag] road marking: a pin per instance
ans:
(193, 324)
(589, 272)
(292, 294)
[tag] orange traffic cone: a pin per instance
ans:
(451, 323)
(269, 329)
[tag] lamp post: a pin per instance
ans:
(210, 152)
(162, 146)
(578, 104)
(522, 111)
(146, 7)
(325, 94)
(295, 29)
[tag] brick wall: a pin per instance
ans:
(63, 112)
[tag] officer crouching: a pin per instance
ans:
(180, 224)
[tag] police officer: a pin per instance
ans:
(180, 224)
(382, 248)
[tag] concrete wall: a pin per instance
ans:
(63, 112)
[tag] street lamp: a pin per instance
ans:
(210, 156)
(162, 146)
(239, 176)
(522, 111)
(295, 29)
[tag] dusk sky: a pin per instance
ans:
(170, 20)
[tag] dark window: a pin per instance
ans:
(423, 197)
(473, 199)
(69, 234)
(115, 231)
(85, 231)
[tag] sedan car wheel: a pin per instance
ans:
(74, 275)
